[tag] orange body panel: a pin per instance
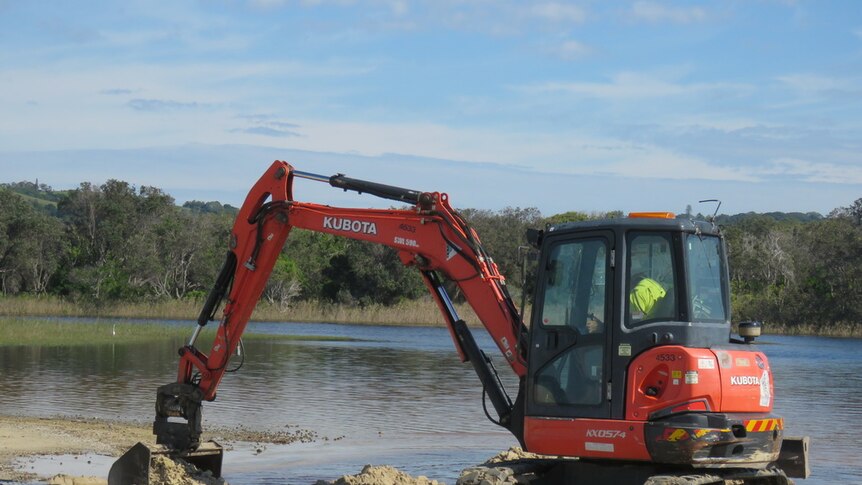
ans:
(664, 381)
(746, 382)
(595, 438)
(670, 379)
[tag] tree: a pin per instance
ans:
(852, 213)
(367, 273)
(283, 285)
(502, 233)
(44, 249)
(311, 252)
(829, 261)
(570, 216)
(211, 207)
(114, 244)
(31, 246)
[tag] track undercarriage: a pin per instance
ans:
(538, 471)
(516, 466)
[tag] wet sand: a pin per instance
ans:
(27, 437)
(24, 439)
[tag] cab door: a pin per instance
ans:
(569, 359)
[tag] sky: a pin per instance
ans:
(589, 105)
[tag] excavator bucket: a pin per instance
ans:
(134, 467)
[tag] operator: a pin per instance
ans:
(594, 325)
(644, 298)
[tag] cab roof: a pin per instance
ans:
(637, 223)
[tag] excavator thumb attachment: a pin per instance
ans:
(136, 465)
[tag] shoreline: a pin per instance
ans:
(414, 313)
(422, 312)
(23, 437)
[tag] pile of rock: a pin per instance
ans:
(510, 467)
(177, 472)
(379, 475)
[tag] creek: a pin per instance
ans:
(395, 395)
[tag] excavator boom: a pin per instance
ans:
(430, 236)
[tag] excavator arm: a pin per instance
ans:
(430, 236)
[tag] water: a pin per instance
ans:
(399, 396)
(818, 390)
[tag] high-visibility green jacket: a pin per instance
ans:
(645, 295)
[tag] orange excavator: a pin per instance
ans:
(627, 362)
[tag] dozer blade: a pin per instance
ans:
(133, 468)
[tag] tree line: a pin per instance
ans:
(115, 242)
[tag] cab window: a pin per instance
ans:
(572, 378)
(574, 303)
(651, 279)
(575, 286)
(705, 278)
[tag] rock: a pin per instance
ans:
(513, 454)
(164, 470)
(380, 475)
(482, 475)
(69, 480)
(513, 466)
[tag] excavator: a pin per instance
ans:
(627, 370)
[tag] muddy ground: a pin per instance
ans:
(22, 437)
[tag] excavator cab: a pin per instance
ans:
(631, 356)
(609, 290)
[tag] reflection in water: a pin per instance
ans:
(818, 388)
(398, 397)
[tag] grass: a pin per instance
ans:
(422, 312)
(52, 333)
(845, 330)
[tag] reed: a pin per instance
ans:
(52, 333)
(844, 330)
(422, 312)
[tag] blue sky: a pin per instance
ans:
(583, 105)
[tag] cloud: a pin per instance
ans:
(496, 18)
(269, 4)
(630, 85)
(139, 104)
(567, 152)
(398, 7)
(268, 119)
(265, 131)
(814, 172)
(266, 4)
(267, 125)
(815, 83)
(810, 82)
(661, 163)
(67, 31)
(559, 12)
(571, 50)
(115, 92)
(282, 124)
(705, 121)
(232, 169)
(657, 13)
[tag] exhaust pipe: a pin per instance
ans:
(134, 467)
